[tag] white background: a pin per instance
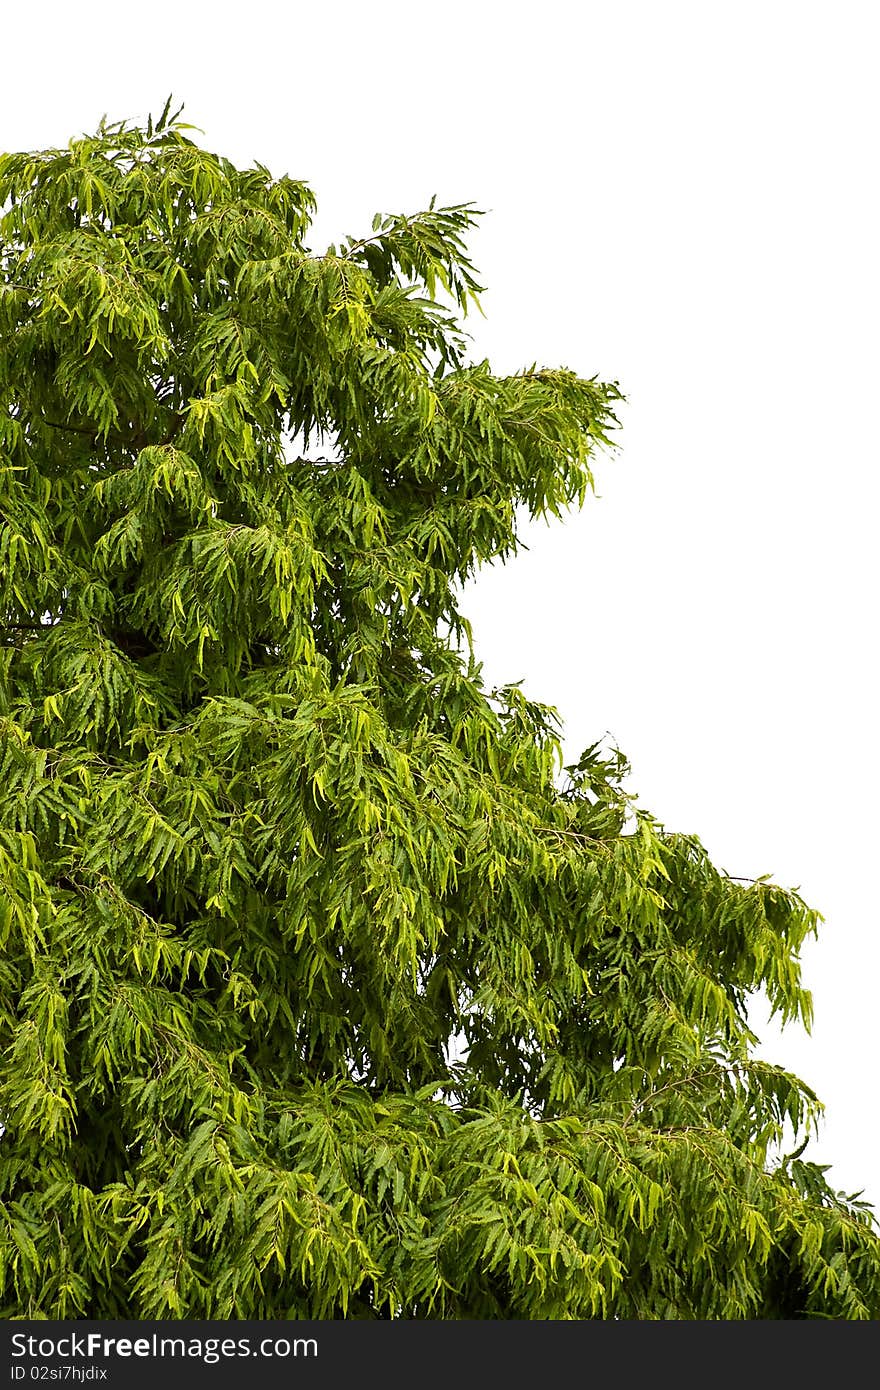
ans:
(682, 197)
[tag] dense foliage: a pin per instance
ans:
(324, 991)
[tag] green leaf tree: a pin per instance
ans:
(324, 990)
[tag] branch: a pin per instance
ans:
(138, 440)
(26, 627)
(70, 429)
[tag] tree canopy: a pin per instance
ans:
(325, 991)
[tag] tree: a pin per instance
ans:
(325, 992)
